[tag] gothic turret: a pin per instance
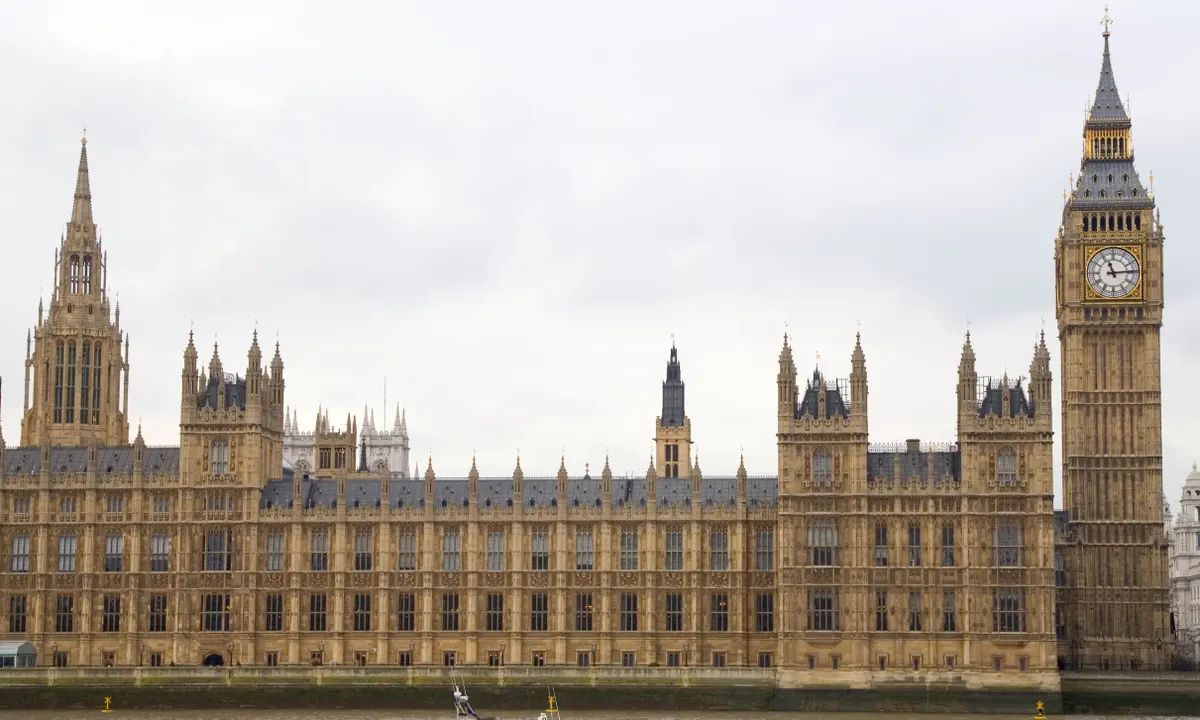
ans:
(1040, 378)
(967, 380)
(786, 381)
(858, 379)
(189, 377)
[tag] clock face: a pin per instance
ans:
(1113, 272)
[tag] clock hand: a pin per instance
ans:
(1110, 269)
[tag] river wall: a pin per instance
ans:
(524, 688)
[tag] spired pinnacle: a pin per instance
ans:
(81, 211)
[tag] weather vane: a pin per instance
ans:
(1106, 21)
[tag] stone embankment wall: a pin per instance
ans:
(524, 688)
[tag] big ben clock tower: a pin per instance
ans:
(1108, 258)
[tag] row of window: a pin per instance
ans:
(824, 611)
(218, 551)
(823, 549)
(215, 611)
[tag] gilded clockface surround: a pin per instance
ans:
(1113, 272)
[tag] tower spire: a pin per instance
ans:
(81, 211)
(1107, 108)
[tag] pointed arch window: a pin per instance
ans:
(822, 467)
(74, 274)
(96, 384)
(219, 457)
(85, 378)
(59, 373)
(86, 282)
(1006, 467)
(72, 359)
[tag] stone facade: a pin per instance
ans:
(257, 544)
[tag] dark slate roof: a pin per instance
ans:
(673, 492)
(718, 491)
(924, 465)
(629, 492)
(1107, 108)
(363, 493)
(1094, 189)
(119, 460)
(810, 406)
(22, 461)
(495, 492)
(109, 460)
(450, 492)
(407, 493)
(761, 490)
(318, 493)
(993, 401)
(276, 493)
(160, 461)
(539, 491)
(583, 492)
(235, 393)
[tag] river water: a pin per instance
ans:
(505, 715)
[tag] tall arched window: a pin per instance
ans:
(1006, 467)
(59, 350)
(85, 378)
(87, 273)
(74, 274)
(96, 385)
(69, 415)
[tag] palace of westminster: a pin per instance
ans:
(256, 543)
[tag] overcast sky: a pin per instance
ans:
(506, 209)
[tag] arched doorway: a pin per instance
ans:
(213, 660)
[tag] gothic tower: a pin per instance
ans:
(673, 429)
(76, 375)
(1109, 300)
(822, 444)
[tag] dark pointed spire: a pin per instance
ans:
(1107, 108)
(81, 211)
(672, 392)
